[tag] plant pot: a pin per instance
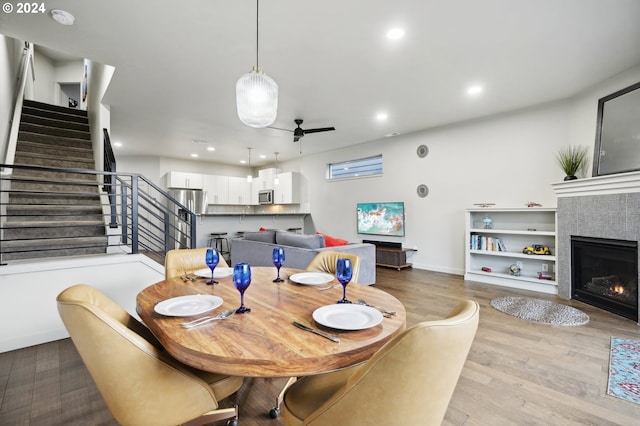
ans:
(572, 177)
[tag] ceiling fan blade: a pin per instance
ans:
(320, 129)
(279, 128)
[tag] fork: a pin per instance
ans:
(204, 320)
(383, 311)
(330, 287)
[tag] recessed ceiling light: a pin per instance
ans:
(474, 90)
(194, 155)
(262, 156)
(243, 161)
(395, 33)
(62, 17)
(117, 144)
(381, 116)
(210, 148)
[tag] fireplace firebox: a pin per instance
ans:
(605, 274)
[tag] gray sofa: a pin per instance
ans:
(256, 248)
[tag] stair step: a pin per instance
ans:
(56, 115)
(58, 151)
(52, 229)
(54, 123)
(53, 247)
(48, 175)
(56, 108)
(46, 161)
(54, 141)
(53, 157)
(52, 131)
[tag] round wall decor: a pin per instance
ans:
(422, 151)
(422, 190)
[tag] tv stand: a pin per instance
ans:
(391, 255)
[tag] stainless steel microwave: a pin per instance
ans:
(265, 196)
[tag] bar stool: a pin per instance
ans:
(219, 241)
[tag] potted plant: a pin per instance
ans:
(572, 159)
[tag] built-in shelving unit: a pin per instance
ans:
(495, 239)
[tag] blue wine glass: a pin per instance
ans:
(278, 261)
(344, 272)
(242, 280)
(212, 258)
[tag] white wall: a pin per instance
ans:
(9, 68)
(29, 314)
(507, 160)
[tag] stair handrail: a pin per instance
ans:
(110, 166)
(25, 66)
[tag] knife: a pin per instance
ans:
(318, 332)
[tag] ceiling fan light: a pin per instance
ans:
(257, 99)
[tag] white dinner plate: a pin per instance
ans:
(217, 273)
(185, 306)
(311, 278)
(347, 316)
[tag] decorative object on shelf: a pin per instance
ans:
(514, 270)
(422, 190)
(486, 269)
(538, 310)
(484, 204)
(537, 249)
(487, 222)
(545, 276)
(572, 159)
(257, 93)
(422, 151)
(533, 204)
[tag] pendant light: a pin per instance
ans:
(276, 179)
(250, 175)
(257, 93)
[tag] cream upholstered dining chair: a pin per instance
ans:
(325, 261)
(410, 380)
(140, 383)
(181, 262)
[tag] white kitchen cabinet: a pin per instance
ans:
(288, 189)
(217, 188)
(257, 185)
(495, 241)
(184, 180)
(239, 191)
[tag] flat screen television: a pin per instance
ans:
(381, 218)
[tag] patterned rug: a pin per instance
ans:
(624, 370)
(542, 311)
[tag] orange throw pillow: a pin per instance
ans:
(330, 241)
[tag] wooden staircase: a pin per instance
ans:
(52, 213)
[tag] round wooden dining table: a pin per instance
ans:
(264, 342)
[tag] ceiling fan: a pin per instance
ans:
(299, 132)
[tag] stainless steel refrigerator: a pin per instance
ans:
(195, 201)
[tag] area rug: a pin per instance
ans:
(541, 311)
(624, 369)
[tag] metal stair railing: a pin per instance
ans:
(54, 212)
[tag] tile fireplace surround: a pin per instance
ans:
(599, 207)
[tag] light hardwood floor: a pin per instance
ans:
(517, 373)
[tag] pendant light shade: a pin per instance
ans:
(257, 99)
(256, 92)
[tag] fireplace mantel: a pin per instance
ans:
(620, 183)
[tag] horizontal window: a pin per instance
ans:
(356, 168)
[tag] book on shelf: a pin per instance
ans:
(486, 243)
